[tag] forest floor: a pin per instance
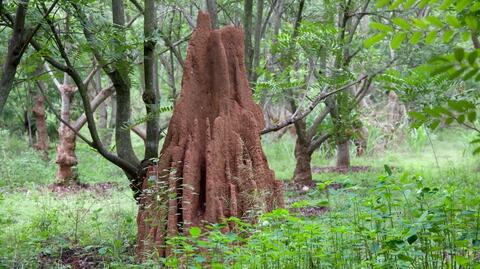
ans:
(423, 211)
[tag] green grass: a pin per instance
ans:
(421, 216)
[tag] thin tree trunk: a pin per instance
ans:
(15, 52)
(151, 95)
(102, 109)
(212, 10)
(247, 26)
(258, 37)
(343, 154)
(66, 157)
(121, 81)
(303, 171)
(38, 111)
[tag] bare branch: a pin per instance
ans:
(95, 103)
(52, 75)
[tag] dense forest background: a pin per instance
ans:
(371, 119)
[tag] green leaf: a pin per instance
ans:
(459, 54)
(453, 21)
(382, 3)
(401, 23)
(420, 23)
(471, 22)
(457, 73)
(430, 37)
(416, 37)
(395, 4)
(435, 21)
(470, 74)
(441, 69)
(472, 57)
(381, 27)
(472, 116)
(477, 78)
(409, 4)
(397, 40)
(388, 169)
(475, 7)
(374, 39)
(195, 231)
(447, 36)
(449, 121)
(434, 124)
(476, 151)
(417, 115)
(461, 260)
(462, 4)
(446, 4)
(461, 119)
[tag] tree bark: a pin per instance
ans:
(247, 26)
(303, 171)
(151, 95)
(121, 82)
(66, 157)
(258, 38)
(15, 50)
(343, 154)
(43, 141)
(102, 109)
(212, 10)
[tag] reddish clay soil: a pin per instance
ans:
(340, 170)
(212, 165)
(100, 188)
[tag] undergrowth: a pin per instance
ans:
(422, 210)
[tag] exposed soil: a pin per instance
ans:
(340, 170)
(99, 188)
(76, 258)
(310, 211)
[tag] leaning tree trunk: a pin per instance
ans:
(212, 165)
(38, 112)
(66, 158)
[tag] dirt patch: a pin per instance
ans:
(75, 258)
(340, 170)
(310, 211)
(99, 188)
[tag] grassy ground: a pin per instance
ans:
(424, 215)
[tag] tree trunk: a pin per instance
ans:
(121, 82)
(343, 154)
(38, 111)
(151, 95)
(212, 10)
(102, 108)
(247, 25)
(66, 158)
(212, 166)
(15, 50)
(258, 37)
(303, 171)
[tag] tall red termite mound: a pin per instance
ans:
(212, 165)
